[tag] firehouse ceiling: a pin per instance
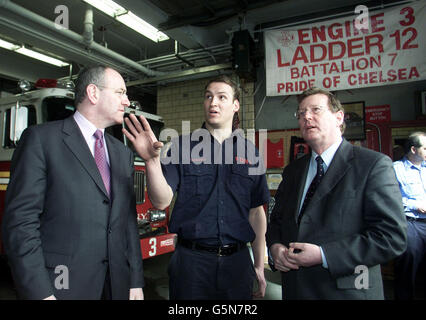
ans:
(200, 36)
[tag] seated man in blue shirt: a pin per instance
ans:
(219, 206)
(411, 175)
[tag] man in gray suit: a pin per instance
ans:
(70, 228)
(338, 212)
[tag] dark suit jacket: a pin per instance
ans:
(355, 215)
(57, 213)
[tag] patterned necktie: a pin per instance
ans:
(312, 187)
(100, 159)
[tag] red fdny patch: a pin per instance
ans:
(241, 160)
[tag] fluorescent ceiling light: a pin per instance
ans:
(128, 18)
(33, 54)
(133, 21)
(8, 45)
(41, 57)
(107, 6)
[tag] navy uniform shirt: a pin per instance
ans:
(216, 189)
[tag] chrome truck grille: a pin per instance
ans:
(139, 184)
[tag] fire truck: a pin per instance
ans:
(54, 100)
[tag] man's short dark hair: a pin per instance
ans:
(228, 81)
(333, 103)
(237, 95)
(91, 75)
(414, 141)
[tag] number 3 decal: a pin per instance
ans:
(153, 243)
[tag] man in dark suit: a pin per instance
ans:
(70, 228)
(329, 239)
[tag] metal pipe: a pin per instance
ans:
(171, 62)
(26, 14)
(187, 54)
(181, 74)
(179, 57)
(13, 24)
(88, 27)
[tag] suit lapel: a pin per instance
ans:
(115, 164)
(300, 183)
(119, 170)
(75, 141)
(336, 171)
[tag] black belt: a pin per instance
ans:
(416, 219)
(225, 250)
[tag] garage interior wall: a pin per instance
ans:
(183, 101)
(277, 113)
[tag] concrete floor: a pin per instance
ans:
(156, 288)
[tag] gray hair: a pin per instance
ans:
(92, 75)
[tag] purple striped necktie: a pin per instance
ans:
(101, 161)
(313, 187)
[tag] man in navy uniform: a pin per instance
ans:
(219, 207)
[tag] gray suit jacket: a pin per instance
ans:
(355, 215)
(57, 213)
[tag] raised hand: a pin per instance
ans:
(142, 137)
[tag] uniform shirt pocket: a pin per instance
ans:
(197, 179)
(241, 182)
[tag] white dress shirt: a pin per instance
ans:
(88, 130)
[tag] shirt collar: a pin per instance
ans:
(234, 135)
(87, 128)
(409, 164)
(327, 155)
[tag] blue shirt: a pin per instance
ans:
(216, 189)
(412, 184)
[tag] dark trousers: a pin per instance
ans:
(200, 275)
(407, 265)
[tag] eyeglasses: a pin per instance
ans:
(314, 110)
(120, 92)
